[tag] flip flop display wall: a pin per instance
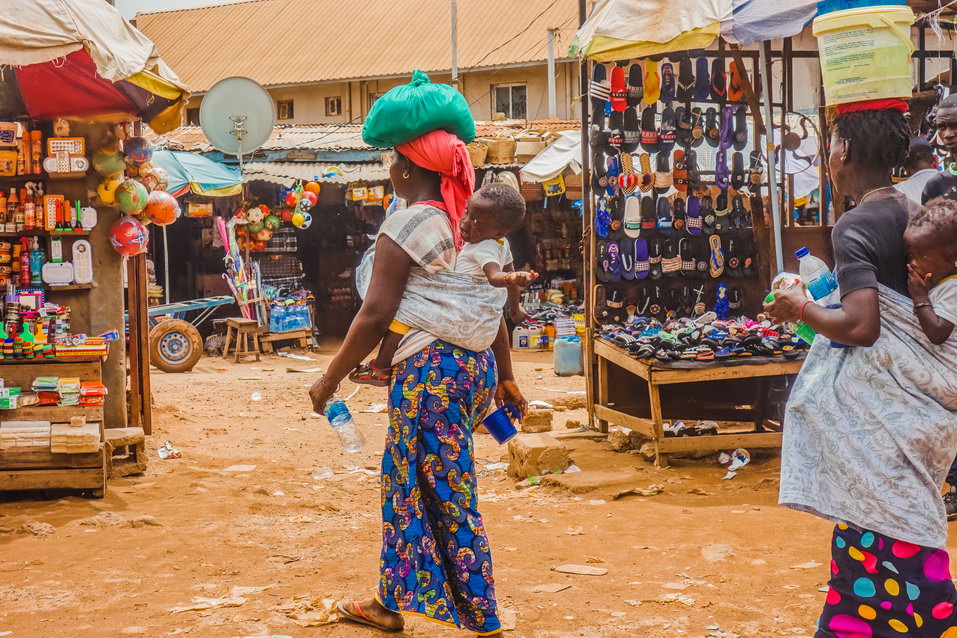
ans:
(673, 176)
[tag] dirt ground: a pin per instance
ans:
(704, 558)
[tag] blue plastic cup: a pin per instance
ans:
(500, 423)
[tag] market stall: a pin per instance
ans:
(680, 249)
(80, 74)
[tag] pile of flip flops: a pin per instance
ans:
(705, 339)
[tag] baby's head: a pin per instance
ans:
(931, 238)
(493, 212)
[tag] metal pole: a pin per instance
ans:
(166, 265)
(772, 160)
(455, 42)
(552, 98)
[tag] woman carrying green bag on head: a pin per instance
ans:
(436, 561)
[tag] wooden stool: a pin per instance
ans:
(125, 451)
(242, 329)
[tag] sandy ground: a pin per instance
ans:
(704, 558)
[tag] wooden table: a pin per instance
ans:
(726, 392)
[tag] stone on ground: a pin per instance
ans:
(537, 421)
(535, 455)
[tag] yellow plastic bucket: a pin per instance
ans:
(865, 53)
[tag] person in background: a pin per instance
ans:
(871, 429)
(944, 184)
(920, 166)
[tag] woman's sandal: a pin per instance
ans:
(368, 374)
(359, 617)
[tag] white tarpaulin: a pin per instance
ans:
(565, 152)
(37, 31)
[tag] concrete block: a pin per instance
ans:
(535, 455)
(537, 421)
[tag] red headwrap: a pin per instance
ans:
(895, 104)
(446, 155)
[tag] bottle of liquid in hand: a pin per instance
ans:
(820, 282)
(341, 420)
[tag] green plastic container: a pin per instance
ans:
(800, 328)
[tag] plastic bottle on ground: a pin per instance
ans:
(341, 420)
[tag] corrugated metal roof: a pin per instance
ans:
(314, 137)
(277, 42)
(286, 173)
(338, 137)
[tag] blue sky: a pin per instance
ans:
(131, 7)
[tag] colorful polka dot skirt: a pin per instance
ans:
(881, 587)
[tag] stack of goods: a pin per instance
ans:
(21, 434)
(75, 437)
(31, 334)
(47, 390)
(665, 222)
(10, 398)
(82, 347)
(69, 389)
(546, 324)
(92, 394)
(705, 339)
(291, 313)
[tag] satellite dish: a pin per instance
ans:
(237, 115)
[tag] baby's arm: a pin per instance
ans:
(937, 329)
(499, 278)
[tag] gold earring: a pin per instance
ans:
(405, 175)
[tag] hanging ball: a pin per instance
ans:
(162, 208)
(155, 178)
(304, 205)
(312, 197)
(298, 219)
(253, 228)
(312, 187)
(306, 222)
(107, 191)
(264, 235)
(273, 223)
(255, 215)
(108, 162)
(292, 199)
(138, 151)
(129, 237)
(131, 196)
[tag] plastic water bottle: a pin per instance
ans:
(341, 420)
(818, 278)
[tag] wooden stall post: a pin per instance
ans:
(141, 413)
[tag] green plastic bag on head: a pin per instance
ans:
(412, 110)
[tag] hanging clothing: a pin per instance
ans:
(436, 558)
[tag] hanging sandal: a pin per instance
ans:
(642, 264)
(664, 214)
(722, 176)
(368, 374)
(646, 181)
(722, 219)
(737, 171)
(683, 120)
(719, 81)
(689, 266)
(628, 260)
(734, 259)
(707, 215)
(636, 89)
(616, 132)
(669, 131)
(627, 181)
(599, 309)
(756, 172)
(631, 139)
(667, 83)
(649, 218)
(685, 81)
(654, 258)
(694, 173)
(741, 128)
(679, 175)
(663, 178)
(619, 90)
(649, 132)
(652, 82)
(601, 256)
(602, 218)
(614, 261)
(702, 84)
(712, 130)
(735, 86)
(600, 88)
(716, 267)
(670, 260)
(740, 217)
(694, 221)
(631, 223)
(680, 213)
